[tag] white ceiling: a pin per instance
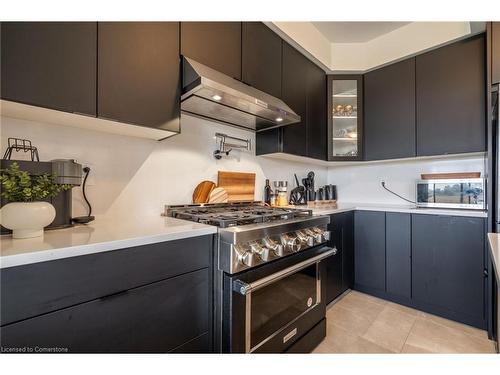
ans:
(355, 32)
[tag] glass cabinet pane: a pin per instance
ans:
(344, 114)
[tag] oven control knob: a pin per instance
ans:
(318, 238)
(290, 242)
(275, 247)
(262, 252)
(304, 238)
(324, 233)
(243, 256)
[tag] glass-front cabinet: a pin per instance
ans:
(345, 117)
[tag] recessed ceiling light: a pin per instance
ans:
(216, 97)
(279, 119)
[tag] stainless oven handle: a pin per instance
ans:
(244, 288)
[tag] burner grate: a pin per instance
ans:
(232, 214)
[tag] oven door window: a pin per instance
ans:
(279, 303)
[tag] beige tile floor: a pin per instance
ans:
(359, 323)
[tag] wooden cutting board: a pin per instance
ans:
(202, 192)
(239, 186)
(218, 195)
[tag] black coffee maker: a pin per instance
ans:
(67, 171)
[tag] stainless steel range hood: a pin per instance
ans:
(210, 94)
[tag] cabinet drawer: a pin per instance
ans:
(39, 288)
(155, 318)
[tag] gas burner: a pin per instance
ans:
(231, 214)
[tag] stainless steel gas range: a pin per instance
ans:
(269, 275)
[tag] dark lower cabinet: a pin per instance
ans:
(451, 98)
(495, 52)
(389, 111)
(215, 44)
(369, 250)
(398, 255)
(152, 298)
(340, 267)
(261, 58)
(155, 318)
(50, 64)
(139, 73)
(448, 266)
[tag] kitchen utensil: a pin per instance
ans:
(328, 192)
(298, 194)
(320, 194)
(239, 186)
(218, 195)
(202, 191)
(448, 176)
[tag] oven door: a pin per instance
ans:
(279, 308)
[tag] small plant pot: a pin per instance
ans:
(27, 219)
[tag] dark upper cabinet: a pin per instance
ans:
(495, 52)
(369, 251)
(448, 265)
(50, 64)
(139, 73)
(215, 44)
(389, 111)
(398, 255)
(261, 58)
(345, 117)
(294, 93)
(450, 98)
(316, 112)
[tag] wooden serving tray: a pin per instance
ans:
(447, 176)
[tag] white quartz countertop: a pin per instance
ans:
(494, 241)
(343, 207)
(98, 236)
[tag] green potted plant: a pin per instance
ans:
(27, 213)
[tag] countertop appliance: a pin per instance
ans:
(210, 94)
(269, 277)
(465, 193)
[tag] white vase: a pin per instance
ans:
(27, 219)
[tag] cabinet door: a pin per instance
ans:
(139, 73)
(215, 44)
(495, 52)
(369, 250)
(347, 250)
(398, 254)
(294, 91)
(389, 107)
(448, 264)
(316, 112)
(157, 318)
(261, 58)
(334, 263)
(451, 99)
(50, 64)
(345, 117)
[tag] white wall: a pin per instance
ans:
(133, 176)
(361, 183)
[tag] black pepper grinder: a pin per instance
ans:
(267, 192)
